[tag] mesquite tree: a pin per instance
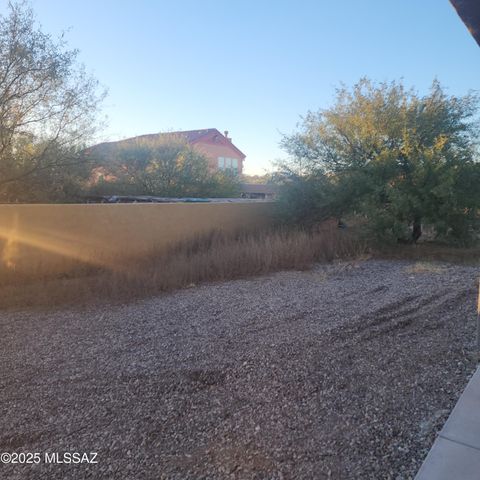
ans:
(398, 159)
(48, 107)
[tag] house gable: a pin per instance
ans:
(209, 142)
(212, 136)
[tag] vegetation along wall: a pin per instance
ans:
(49, 237)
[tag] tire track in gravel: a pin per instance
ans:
(390, 318)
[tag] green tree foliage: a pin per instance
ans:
(48, 109)
(266, 178)
(398, 159)
(164, 166)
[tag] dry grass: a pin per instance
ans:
(430, 252)
(215, 257)
(425, 267)
(209, 258)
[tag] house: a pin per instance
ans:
(218, 148)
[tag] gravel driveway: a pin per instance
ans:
(344, 372)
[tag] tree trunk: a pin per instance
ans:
(417, 229)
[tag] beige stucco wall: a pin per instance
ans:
(40, 235)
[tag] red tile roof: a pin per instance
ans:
(191, 136)
(194, 135)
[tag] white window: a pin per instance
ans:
(227, 163)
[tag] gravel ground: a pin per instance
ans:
(345, 372)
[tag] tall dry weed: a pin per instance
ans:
(213, 257)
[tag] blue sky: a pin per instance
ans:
(254, 67)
